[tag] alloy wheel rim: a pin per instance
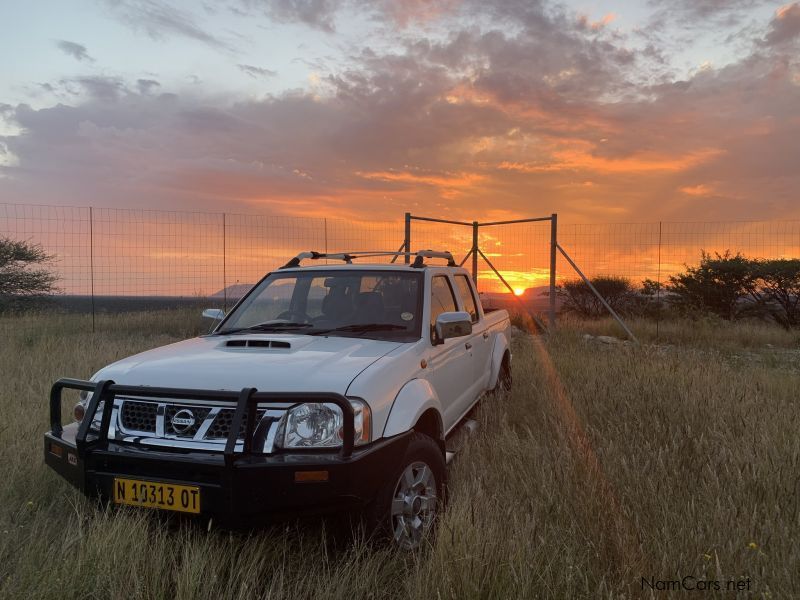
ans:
(413, 505)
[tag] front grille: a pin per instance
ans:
(222, 424)
(170, 420)
(139, 416)
(199, 414)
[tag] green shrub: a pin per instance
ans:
(732, 286)
(779, 281)
(20, 280)
(723, 284)
(578, 298)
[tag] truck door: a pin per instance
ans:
(449, 367)
(481, 343)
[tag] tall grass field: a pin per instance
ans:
(609, 471)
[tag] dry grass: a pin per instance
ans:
(603, 466)
(704, 333)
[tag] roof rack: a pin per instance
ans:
(348, 257)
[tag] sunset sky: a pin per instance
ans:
(603, 112)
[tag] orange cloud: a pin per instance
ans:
(584, 21)
(786, 10)
(449, 184)
(579, 159)
(698, 190)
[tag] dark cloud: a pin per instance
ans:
(785, 27)
(75, 50)
(323, 14)
(701, 12)
(98, 87)
(318, 14)
(159, 20)
(146, 86)
(256, 72)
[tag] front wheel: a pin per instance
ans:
(407, 506)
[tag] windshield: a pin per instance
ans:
(372, 304)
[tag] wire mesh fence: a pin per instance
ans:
(115, 260)
(655, 251)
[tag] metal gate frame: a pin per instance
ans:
(476, 251)
(555, 248)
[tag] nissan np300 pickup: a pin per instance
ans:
(327, 387)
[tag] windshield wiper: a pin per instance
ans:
(359, 328)
(267, 327)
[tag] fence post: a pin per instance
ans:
(408, 238)
(224, 264)
(475, 249)
(91, 258)
(551, 316)
(658, 286)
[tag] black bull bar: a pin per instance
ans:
(246, 402)
(240, 486)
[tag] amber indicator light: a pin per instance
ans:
(310, 476)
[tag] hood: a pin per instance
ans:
(309, 364)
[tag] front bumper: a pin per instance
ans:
(240, 488)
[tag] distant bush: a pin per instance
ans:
(577, 298)
(779, 281)
(718, 285)
(723, 286)
(22, 276)
(732, 286)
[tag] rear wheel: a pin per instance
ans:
(406, 508)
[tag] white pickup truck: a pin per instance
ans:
(327, 387)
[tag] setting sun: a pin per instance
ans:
(518, 291)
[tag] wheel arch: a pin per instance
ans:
(416, 407)
(500, 351)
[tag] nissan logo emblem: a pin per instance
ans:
(183, 420)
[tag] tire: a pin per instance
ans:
(407, 506)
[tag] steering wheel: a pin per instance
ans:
(291, 315)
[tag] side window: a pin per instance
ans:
(442, 300)
(467, 299)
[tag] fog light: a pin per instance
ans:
(79, 412)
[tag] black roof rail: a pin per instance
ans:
(348, 257)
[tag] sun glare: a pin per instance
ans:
(518, 291)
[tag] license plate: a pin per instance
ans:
(151, 494)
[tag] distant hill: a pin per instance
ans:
(536, 299)
(235, 291)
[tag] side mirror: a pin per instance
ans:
(452, 324)
(214, 313)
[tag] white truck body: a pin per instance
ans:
(326, 388)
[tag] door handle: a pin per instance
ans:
(486, 335)
(468, 346)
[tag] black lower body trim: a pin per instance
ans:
(251, 489)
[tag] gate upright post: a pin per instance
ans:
(475, 251)
(408, 238)
(553, 250)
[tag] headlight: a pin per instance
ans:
(317, 425)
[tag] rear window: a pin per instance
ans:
(467, 299)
